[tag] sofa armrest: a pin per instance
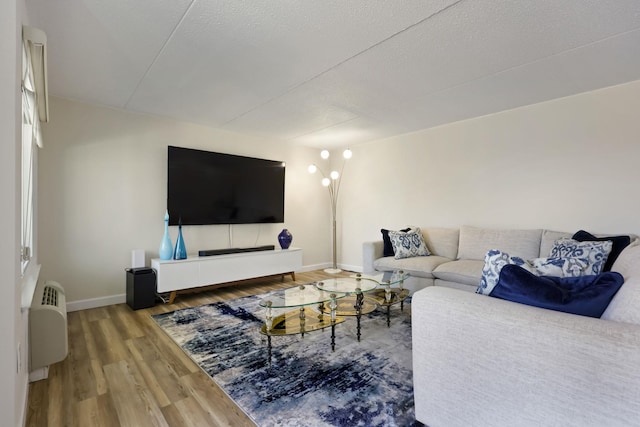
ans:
(479, 360)
(371, 251)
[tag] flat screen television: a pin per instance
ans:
(205, 187)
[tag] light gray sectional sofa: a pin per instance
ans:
(457, 255)
(483, 361)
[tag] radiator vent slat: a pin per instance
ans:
(50, 296)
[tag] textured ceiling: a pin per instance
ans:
(332, 73)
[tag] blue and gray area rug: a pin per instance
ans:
(366, 383)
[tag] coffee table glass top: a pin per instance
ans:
(298, 297)
(346, 285)
(385, 277)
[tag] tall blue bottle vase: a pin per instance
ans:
(166, 248)
(180, 251)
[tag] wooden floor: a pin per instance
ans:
(122, 370)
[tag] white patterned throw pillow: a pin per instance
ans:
(557, 267)
(560, 267)
(494, 260)
(593, 253)
(409, 244)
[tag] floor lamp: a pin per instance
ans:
(332, 182)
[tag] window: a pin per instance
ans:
(32, 56)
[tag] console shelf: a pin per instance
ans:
(196, 272)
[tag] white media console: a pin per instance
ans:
(198, 271)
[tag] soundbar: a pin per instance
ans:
(225, 251)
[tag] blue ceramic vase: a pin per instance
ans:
(285, 238)
(166, 248)
(181, 250)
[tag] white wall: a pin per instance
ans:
(566, 164)
(102, 193)
(13, 387)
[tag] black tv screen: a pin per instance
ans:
(205, 187)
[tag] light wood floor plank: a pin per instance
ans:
(123, 370)
(132, 400)
(128, 326)
(96, 412)
(192, 413)
(153, 381)
(57, 385)
(98, 375)
(107, 412)
(88, 338)
(211, 398)
(113, 344)
(173, 416)
(38, 406)
(94, 314)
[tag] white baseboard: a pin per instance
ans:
(122, 298)
(96, 302)
(307, 268)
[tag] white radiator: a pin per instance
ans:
(48, 342)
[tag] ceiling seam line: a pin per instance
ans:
(323, 128)
(515, 67)
(344, 61)
(160, 51)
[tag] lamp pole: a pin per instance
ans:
(333, 185)
(333, 195)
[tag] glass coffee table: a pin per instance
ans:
(354, 287)
(305, 319)
(390, 289)
(323, 304)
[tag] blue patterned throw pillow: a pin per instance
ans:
(592, 253)
(409, 244)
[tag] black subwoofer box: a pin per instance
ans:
(141, 287)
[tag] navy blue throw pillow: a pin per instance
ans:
(388, 247)
(584, 295)
(619, 243)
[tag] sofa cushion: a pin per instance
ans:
(619, 243)
(476, 242)
(466, 271)
(422, 266)
(593, 253)
(409, 244)
(584, 295)
(388, 247)
(549, 237)
(442, 241)
(625, 306)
